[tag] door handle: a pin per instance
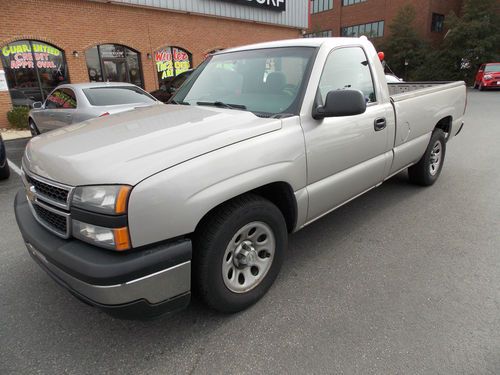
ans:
(379, 124)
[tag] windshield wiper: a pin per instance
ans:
(223, 105)
(172, 101)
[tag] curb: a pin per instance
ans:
(9, 135)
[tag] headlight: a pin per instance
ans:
(110, 238)
(488, 77)
(106, 199)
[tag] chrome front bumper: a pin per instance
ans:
(155, 288)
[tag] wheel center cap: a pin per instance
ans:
(245, 255)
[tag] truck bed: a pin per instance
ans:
(405, 87)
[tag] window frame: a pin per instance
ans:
(434, 22)
(315, 8)
(372, 76)
(378, 26)
(354, 2)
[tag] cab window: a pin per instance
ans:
(347, 68)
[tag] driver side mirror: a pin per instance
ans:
(37, 105)
(341, 103)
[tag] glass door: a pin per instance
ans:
(115, 70)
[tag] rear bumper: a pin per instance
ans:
(138, 284)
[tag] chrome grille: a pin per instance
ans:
(49, 203)
(49, 191)
(54, 220)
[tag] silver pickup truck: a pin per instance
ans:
(132, 212)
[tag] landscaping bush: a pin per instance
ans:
(18, 117)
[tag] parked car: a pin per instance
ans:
(19, 98)
(488, 76)
(4, 164)
(125, 211)
(168, 89)
(72, 103)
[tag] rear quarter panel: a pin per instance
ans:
(417, 114)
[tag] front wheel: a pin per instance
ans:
(238, 252)
(428, 169)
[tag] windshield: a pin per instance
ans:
(116, 95)
(492, 68)
(265, 81)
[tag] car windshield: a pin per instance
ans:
(492, 68)
(266, 82)
(116, 95)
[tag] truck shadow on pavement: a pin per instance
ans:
(61, 318)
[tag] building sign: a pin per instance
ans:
(171, 61)
(277, 5)
(26, 55)
(32, 69)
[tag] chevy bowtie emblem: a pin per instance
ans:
(30, 193)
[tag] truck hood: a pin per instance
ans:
(127, 147)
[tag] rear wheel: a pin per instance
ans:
(33, 128)
(428, 169)
(238, 252)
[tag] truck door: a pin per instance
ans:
(346, 155)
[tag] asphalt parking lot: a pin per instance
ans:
(403, 280)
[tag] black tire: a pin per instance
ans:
(5, 171)
(481, 87)
(422, 173)
(212, 239)
(33, 128)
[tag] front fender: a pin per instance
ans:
(171, 203)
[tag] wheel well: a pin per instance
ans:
(279, 193)
(445, 125)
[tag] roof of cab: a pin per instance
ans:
(301, 42)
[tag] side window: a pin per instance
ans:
(481, 68)
(55, 100)
(347, 68)
(70, 99)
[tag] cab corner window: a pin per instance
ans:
(347, 68)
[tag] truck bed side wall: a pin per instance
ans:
(417, 114)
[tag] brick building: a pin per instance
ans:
(372, 17)
(47, 42)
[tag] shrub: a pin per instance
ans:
(18, 117)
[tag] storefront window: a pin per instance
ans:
(170, 62)
(33, 69)
(114, 63)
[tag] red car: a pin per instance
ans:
(488, 76)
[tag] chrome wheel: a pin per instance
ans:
(248, 257)
(435, 159)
